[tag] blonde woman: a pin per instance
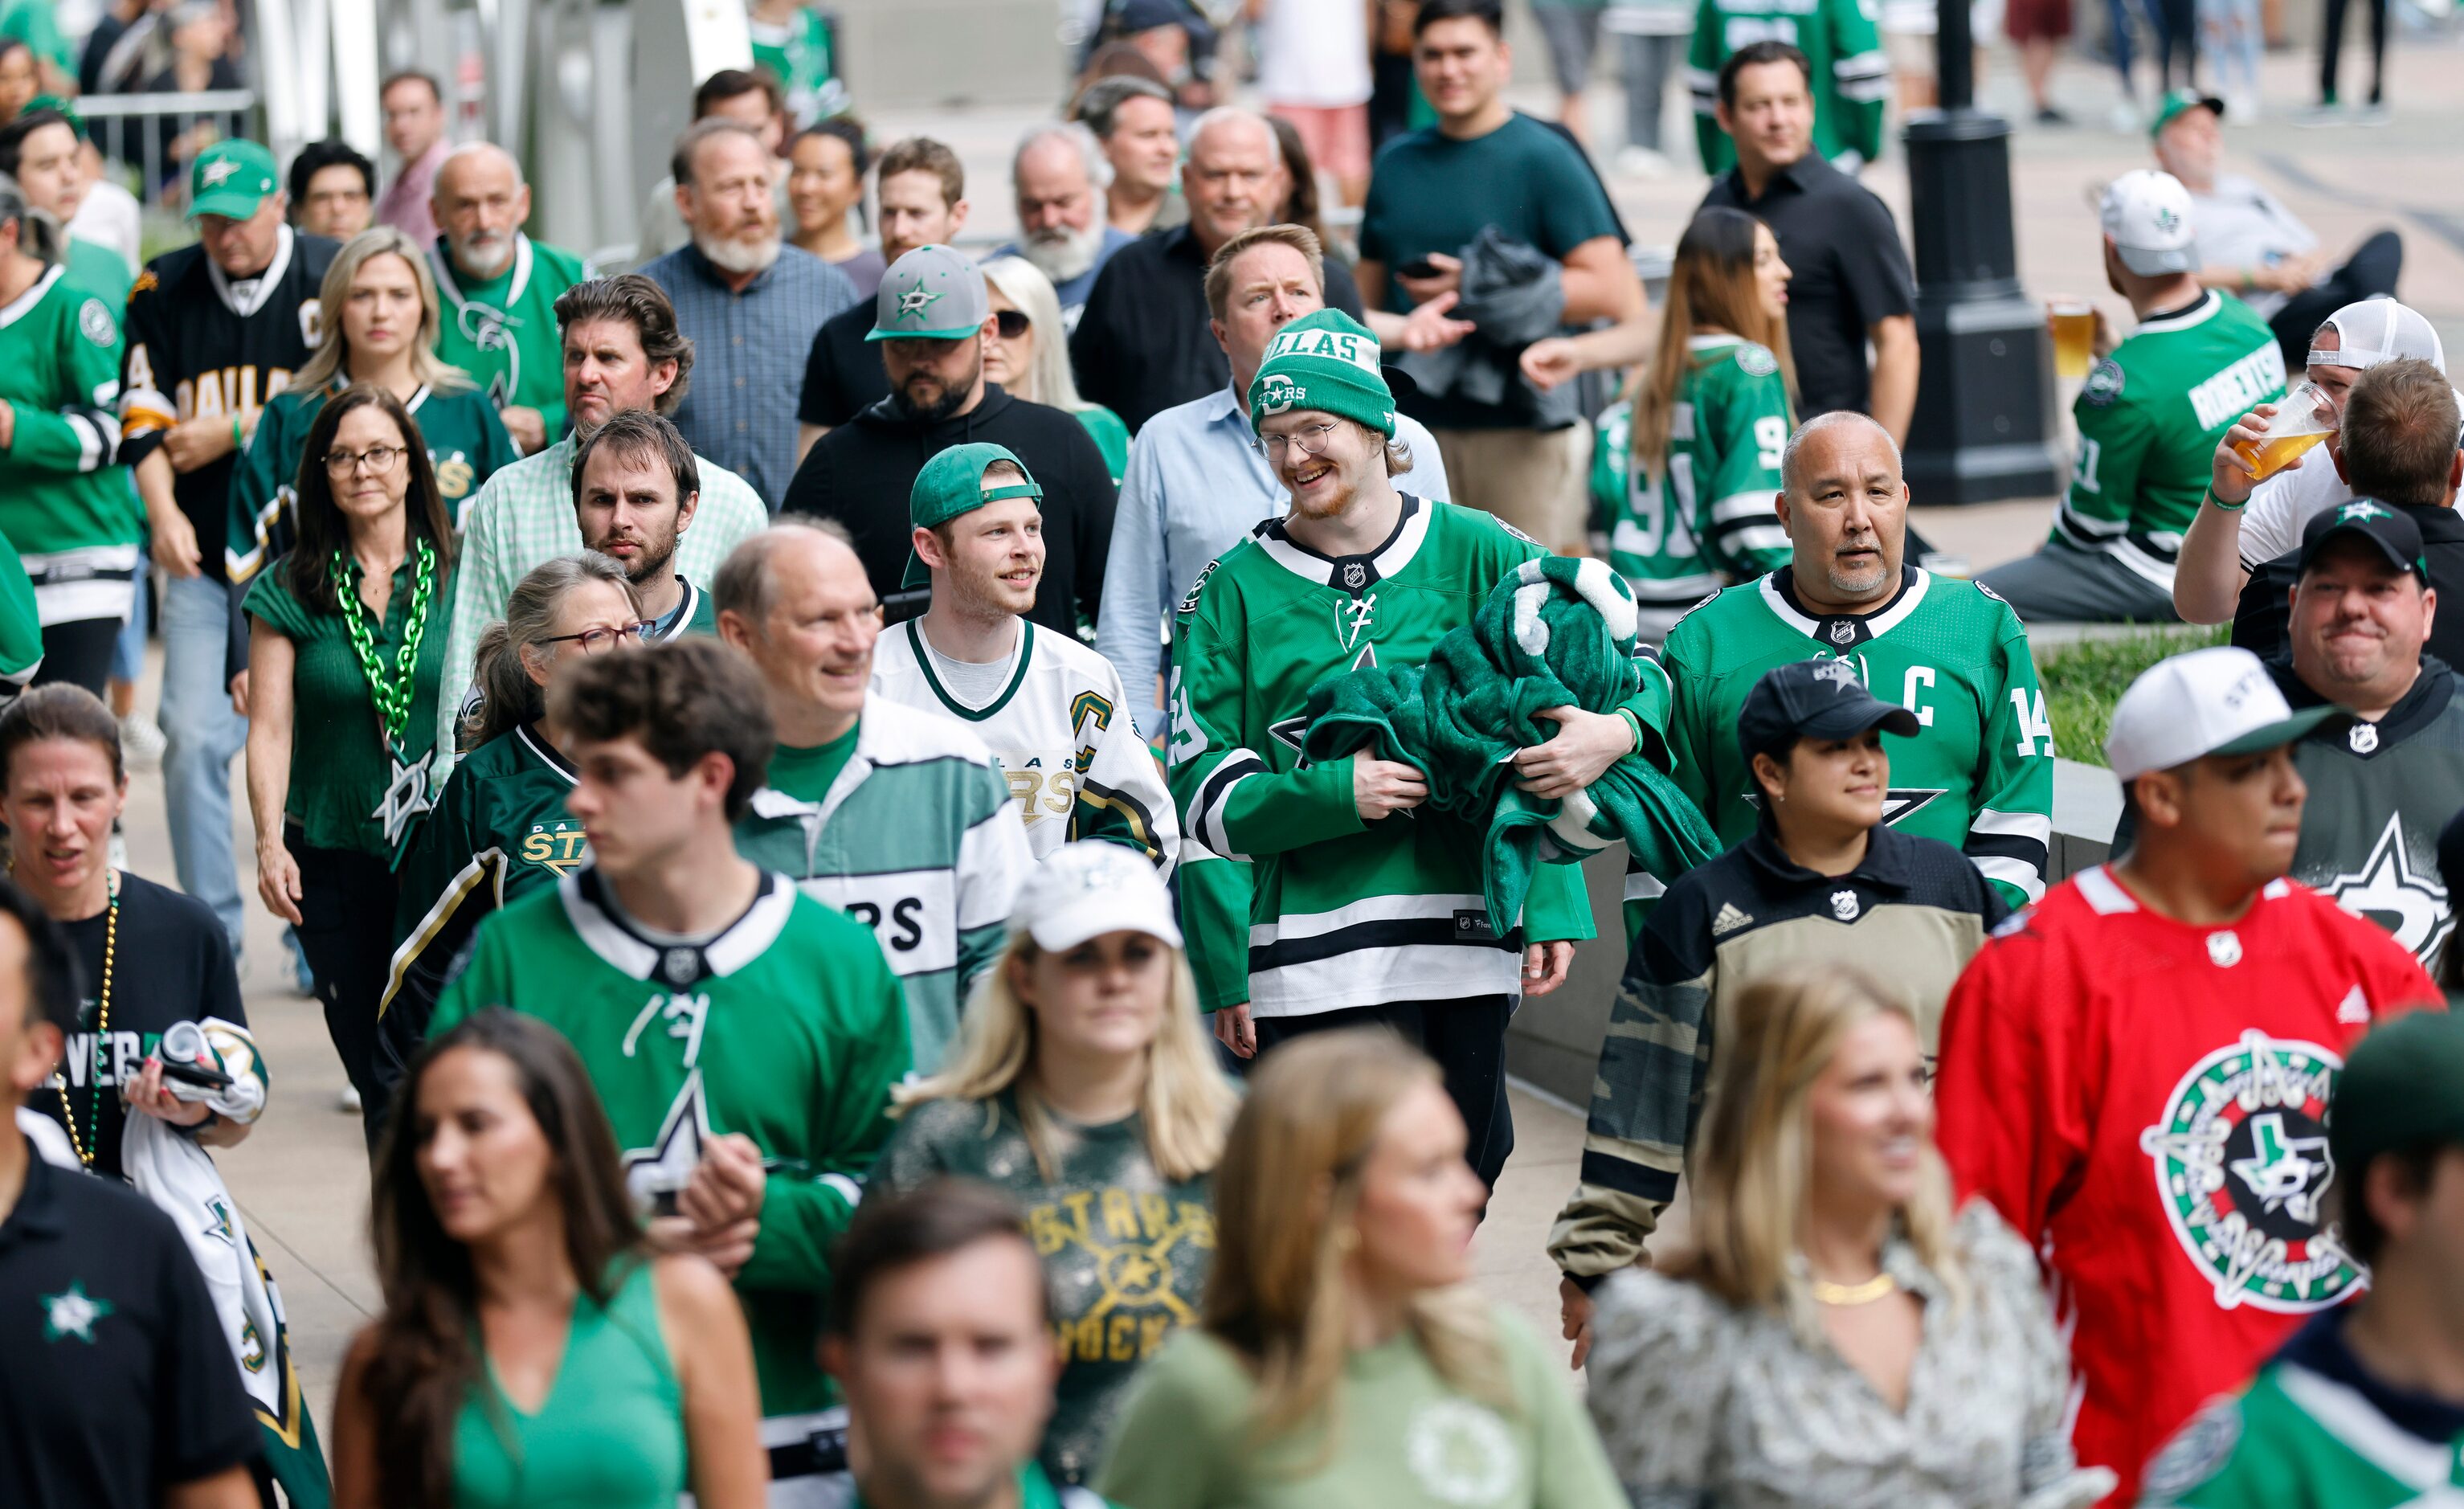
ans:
(380, 327)
(1839, 1337)
(1029, 355)
(1345, 1359)
(1082, 1084)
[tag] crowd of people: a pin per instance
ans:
(919, 866)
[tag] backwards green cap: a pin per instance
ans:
(230, 178)
(952, 483)
(1326, 361)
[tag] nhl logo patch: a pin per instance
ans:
(1356, 576)
(680, 965)
(2242, 1169)
(1846, 906)
(2224, 948)
(2363, 738)
(1842, 631)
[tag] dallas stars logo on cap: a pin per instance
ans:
(2360, 511)
(1838, 673)
(1342, 345)
(215, 174)
(2166, 219)
(913, 303)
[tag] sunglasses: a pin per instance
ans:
(1011, 323)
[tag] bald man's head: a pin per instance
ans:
(481, 204)
(1234, 178)
(795, 598)
(1844, 506)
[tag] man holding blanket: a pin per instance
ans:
(1358, 915)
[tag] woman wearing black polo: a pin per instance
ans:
(346, 650)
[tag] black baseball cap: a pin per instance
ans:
(2397, 537)
(2398, 1091)
(1818, 699)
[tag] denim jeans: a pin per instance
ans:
(202, 734)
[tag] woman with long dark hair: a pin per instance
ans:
(1345, 1358)
(345, 651)
(500, 829)
(532, 1349)
(1687, 496)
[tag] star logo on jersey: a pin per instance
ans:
(1846, 906)
(72, 1312)
(2242, 1169)
(2363, 738)
(406, 798)
(213, 175)
(1291, 732)
(2388, 890)
(218, 1221)
(1899, 802)
(913, 303)
(666, 1165)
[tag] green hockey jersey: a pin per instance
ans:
(1979, 775)
(503, 331)
(786, 1028)
(2149, 419)
(1060, 731)
(916, 839)
(499, 830)
(465, 440)
(21, 625)
(65, 503)
(2314, 1431)
(1342, 913)
(99, 269)
(1688, 523)
(1852, 78)
(799, 55)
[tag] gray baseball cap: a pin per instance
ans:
(933, 293)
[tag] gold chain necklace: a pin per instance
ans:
(102, 1036)
(1872, 1288)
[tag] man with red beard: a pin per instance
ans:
(635, 487)
(1051, 710)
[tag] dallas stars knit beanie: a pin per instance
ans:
(1326, 361)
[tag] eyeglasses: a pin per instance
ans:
(1011, 323)
(380, 459)
(594, 640)
(1312, 439)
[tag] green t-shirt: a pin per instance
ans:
(503, 331)
(1405, 1439)
(1126, 1251)
(1111, 436)
(807, 774)
(1433, 193)
(341, 776)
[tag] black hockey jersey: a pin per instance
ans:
(201, 345)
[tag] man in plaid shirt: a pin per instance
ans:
(621, 350)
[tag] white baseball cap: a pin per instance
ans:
(2378, 330)
(1089, 888)
(2216, 702)
(2147, 215)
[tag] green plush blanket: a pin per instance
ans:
(1558, 632)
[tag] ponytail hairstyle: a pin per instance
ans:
(1710, 282)
(509, 699)
(38, 235)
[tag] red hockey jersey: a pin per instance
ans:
(2149, 1100)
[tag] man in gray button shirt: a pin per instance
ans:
(749, 302)
(1197, 481)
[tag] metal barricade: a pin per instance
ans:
(153, 135)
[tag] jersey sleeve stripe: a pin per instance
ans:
(1761, 537)
(2022, 876)
(97, 440)
(482, 867)
(1743, 505)
(142, 411)
(1207, 812)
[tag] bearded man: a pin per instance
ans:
(500, 290)
(1062, 177)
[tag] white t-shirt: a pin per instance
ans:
(2271, 524)
(1313, 53)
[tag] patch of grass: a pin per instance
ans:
(2083, 681)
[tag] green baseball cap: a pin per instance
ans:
(952, 483)
(933, 293)
(2180, 100)
(2398, 1091)
(230, 178)
(1326, 361)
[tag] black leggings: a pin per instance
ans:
(78, 653)
(2369, 273)
(2331, 49)
(2177, 37)
(1466, 1037)
(346, 900)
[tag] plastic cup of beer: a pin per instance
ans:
(2074, 327)
(2306, 417)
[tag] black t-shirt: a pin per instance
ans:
(172, 964)
(115, 1380)
(1850, 273)
(1144, 341)
(843, 375)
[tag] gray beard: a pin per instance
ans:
(1066, 255)
(467, 258)
(738, 257)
